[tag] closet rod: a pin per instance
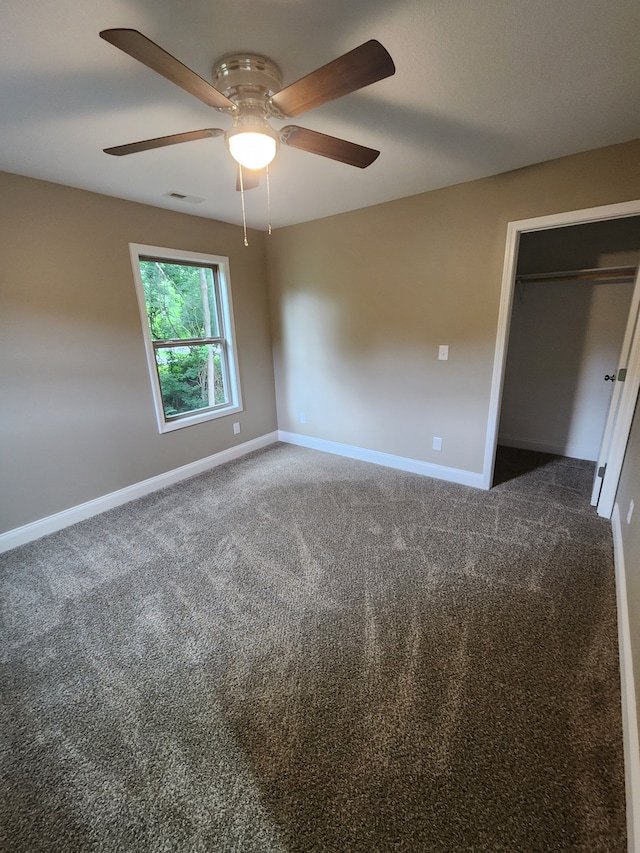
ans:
(598, 274)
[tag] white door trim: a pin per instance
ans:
(514, 230)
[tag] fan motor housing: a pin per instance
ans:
(247, 79)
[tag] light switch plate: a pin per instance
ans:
(443, 352)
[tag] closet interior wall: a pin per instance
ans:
(565, 335)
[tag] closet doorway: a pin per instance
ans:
(568, 292)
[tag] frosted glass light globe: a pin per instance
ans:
(252, 150)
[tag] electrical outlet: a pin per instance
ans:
(236, 429)
(437, 443)
(443, 353)
(630, 513)
(303, 418)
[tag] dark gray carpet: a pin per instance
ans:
(299, 652)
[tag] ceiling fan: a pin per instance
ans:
(248, 88)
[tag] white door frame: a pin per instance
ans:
(543, 223)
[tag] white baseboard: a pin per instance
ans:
(44, 526)
(629, 710)
(573, 451)
(402, 463)
(58, 521)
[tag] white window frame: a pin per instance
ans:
(227, 332)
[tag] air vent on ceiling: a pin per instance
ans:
(191, 199)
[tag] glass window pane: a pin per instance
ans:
(191, 378)
(180, 300)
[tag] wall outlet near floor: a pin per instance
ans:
(303, 418)
(236, 428)
(630, 513)
(443, 352)
(437, 443)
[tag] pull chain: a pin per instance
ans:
(244, 215)
(268, 199)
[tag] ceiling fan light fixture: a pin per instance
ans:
(253, 149)
(248, 87)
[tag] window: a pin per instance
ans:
(185, 307)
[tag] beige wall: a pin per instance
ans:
(76, 416)
(361, 302)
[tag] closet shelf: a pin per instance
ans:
(604, 274)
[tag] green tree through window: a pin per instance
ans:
(184, 310)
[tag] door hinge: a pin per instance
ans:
(601, 470)
(622, 374)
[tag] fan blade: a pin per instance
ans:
(361, 66)
(161, 141)
(328, 146)
(250, 178)
(157, 59)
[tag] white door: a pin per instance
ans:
(610, 438)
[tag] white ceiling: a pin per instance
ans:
(481, 87)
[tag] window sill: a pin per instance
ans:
(196, 418)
